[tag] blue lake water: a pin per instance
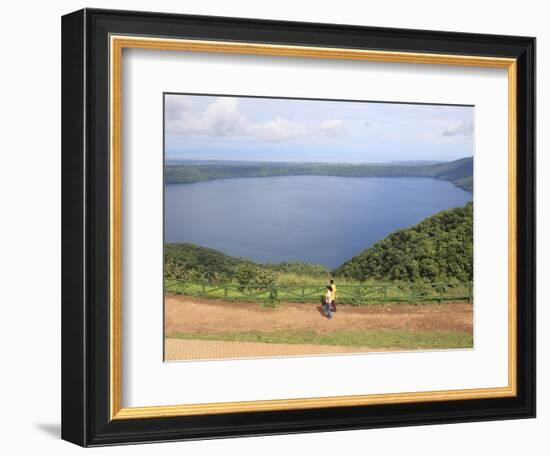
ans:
(317, 219)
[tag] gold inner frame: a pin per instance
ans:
(117, 44)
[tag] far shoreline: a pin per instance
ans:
(458, 172)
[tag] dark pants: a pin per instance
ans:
(333, 305)
(328, 310)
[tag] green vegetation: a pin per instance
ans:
(439, 249)
(187, 262)
(349, 291)
(459, 172)
(416, 259)
(376, 339)
(198, 271)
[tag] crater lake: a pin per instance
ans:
(316, 219)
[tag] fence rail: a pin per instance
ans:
(346, 294)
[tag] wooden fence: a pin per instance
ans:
(379, 293)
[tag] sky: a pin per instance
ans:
(201, 127)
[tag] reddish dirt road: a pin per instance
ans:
(195, 315)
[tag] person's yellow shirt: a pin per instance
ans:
(333, 285)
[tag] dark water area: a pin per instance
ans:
(316, 219)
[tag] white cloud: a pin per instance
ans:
(280, 130)
(222, 118)
(333, 127)
(460, 127)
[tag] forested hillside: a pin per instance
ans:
(192, 257)
(188, 262)
(458, 172)
(439, 249)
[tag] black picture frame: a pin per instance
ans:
(85, 228)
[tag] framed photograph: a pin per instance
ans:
(277, 227)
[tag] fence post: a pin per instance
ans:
(355, 294)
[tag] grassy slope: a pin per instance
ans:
(458, 170)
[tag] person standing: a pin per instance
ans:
(333, 298)
(328, 302)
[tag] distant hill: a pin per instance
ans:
(205, 261)
(459, 172)
(465, 183)
(439, 249)
(414, 162)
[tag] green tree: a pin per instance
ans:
(440, 248)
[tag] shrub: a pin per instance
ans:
(245, 275)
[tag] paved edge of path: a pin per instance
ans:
(181, 349)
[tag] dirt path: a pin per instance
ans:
(195, 315)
